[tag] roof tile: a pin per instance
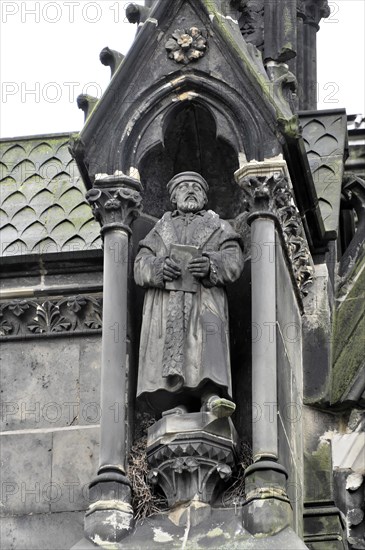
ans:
(43, 209)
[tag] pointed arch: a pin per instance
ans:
(236, 121)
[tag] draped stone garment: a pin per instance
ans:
(185, 336)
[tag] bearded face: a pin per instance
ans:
(189, 197)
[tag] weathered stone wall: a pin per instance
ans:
(290, 384)
(50, 411)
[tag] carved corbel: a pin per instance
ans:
(87, 104)
(137, 14)
(111, 58)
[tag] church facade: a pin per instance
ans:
(225, 90)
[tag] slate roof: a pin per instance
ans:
(42, 204)
(325, 140)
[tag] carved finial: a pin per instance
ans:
(87, 104)
(111, 58)
(137, 14)
(315, 10)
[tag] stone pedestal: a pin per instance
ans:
(191, 456)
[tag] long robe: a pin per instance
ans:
(185, 336)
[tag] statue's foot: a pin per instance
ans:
(220, 407)
(174, 382)
(181, 409)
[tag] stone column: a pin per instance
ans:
(280, 30)
(271, 212)
(116, 202)
(264, 372)
(314, 11)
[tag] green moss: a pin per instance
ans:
(318, 473)
(349, 362)
(349, 333)
(349, 314)
(288, 124)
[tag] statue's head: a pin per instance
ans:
(188, 191)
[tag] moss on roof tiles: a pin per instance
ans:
(43, 209)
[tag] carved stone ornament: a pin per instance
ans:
(187, 45)
(251, 20)
(29, 317)
(271, 194)
(191, 464)
(314, 10)
(115, 207)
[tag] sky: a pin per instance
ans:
(50, 54)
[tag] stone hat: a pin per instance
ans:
(187, 176)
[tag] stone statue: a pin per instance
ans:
(185, 263)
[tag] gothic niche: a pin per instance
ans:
(202, 449)
(190, 142)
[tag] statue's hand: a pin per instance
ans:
(171, 270)
(199, 267)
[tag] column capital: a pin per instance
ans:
(266, 186)
(268, 195)
(116, 201)
(312, 11)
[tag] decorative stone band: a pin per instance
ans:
(267, 492)
(29, 318)
(266, 186)
(110, 505)
(116, 201)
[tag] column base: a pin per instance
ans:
(267, 509)
(108, 522)
(110, 518)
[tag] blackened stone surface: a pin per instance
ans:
(324, 529)
(40, 383)
(26, 462)
(47, 471)
(290, 384)
(349, 336)
(317, 455)
(74, 463)
(230, 68)
(89, 395)
(317, 338)
(33, 532)
(221, 530)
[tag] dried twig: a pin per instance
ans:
(145, 503)
(235, 494)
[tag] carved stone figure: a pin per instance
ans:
(185, 263)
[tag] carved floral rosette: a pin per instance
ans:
(79, 314)
(272, 195)
(187, 45)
